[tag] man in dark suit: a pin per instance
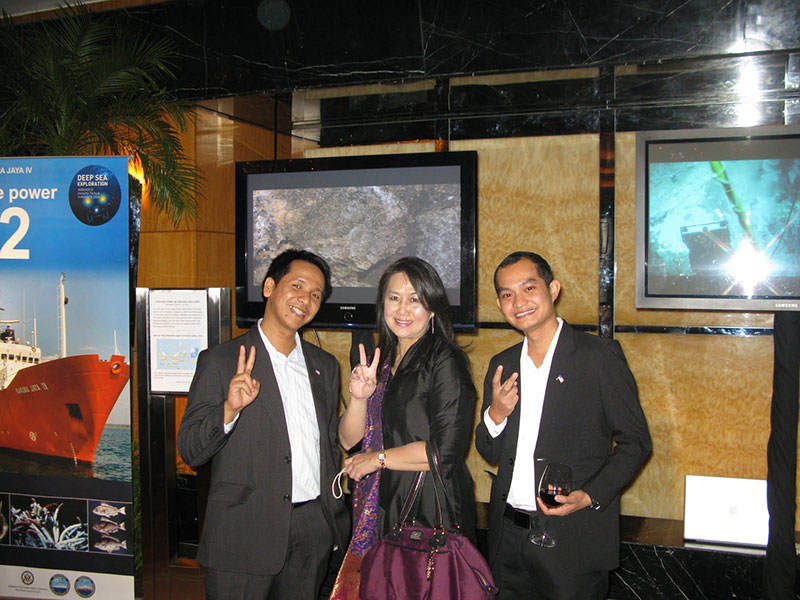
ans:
(566, 397)
(263, 409)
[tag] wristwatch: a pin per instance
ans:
(595, 505)
(382, 458)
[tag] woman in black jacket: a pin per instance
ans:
(427, 395)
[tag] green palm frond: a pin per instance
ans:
(86, 83)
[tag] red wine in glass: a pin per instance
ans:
(549, 497)
(556, 481)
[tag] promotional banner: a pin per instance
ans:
(66, 522)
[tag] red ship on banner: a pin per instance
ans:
(55, 407)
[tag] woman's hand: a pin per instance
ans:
(362, 464)
(364, 378)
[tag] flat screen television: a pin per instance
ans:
(360, 213)
(718, 219)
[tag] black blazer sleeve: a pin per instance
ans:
(202, 434)
(620, 401)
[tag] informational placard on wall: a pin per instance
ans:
(66, 522)
(178, 333)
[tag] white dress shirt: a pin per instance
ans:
(532, 387)
(291, 372)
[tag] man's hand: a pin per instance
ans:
(504, 397)
(576, 500)
(242, 389)
(364, 378)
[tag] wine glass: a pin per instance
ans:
(556, 480)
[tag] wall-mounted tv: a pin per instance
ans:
(360, 213)
(718, 219)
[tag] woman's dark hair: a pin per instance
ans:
(430, 291)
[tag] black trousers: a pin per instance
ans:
(303, 573)
(522, 570)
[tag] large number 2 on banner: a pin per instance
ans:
(9, 249)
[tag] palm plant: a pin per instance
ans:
(87, 83)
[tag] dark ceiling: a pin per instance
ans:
(229, 49)
(240, 47)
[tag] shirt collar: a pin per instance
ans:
(548, 357)
(295, 356)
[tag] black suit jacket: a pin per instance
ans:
(246, 527)
(590, 400)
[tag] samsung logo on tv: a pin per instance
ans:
(787, 305)
(347, 308)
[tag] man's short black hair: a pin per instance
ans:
(281, 264)
(545, 272)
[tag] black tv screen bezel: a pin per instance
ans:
(645, 299)
(348, 316)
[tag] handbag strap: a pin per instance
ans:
(438, 484)
(412, 501)
(411, 505)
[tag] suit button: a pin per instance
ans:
(287, 498)
(287, 459)
(503, 497)
(511, 460)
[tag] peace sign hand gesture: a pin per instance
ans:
(242, 389)
(364, 378)
(504, 395)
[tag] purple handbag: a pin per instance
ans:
(413, 562)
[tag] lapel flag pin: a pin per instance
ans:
(560, 379)
(316, 371)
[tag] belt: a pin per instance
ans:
(520, 518)
(299, 504)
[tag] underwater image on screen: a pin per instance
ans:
(724, 228)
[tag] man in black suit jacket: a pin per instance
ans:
(263, 409)
(564, 397)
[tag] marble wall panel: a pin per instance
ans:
(375, 149)
(713, 79)
(358, 134)
(625, 246)
(476, 93)
(699, 115)
(707, 402)
(539, 194)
